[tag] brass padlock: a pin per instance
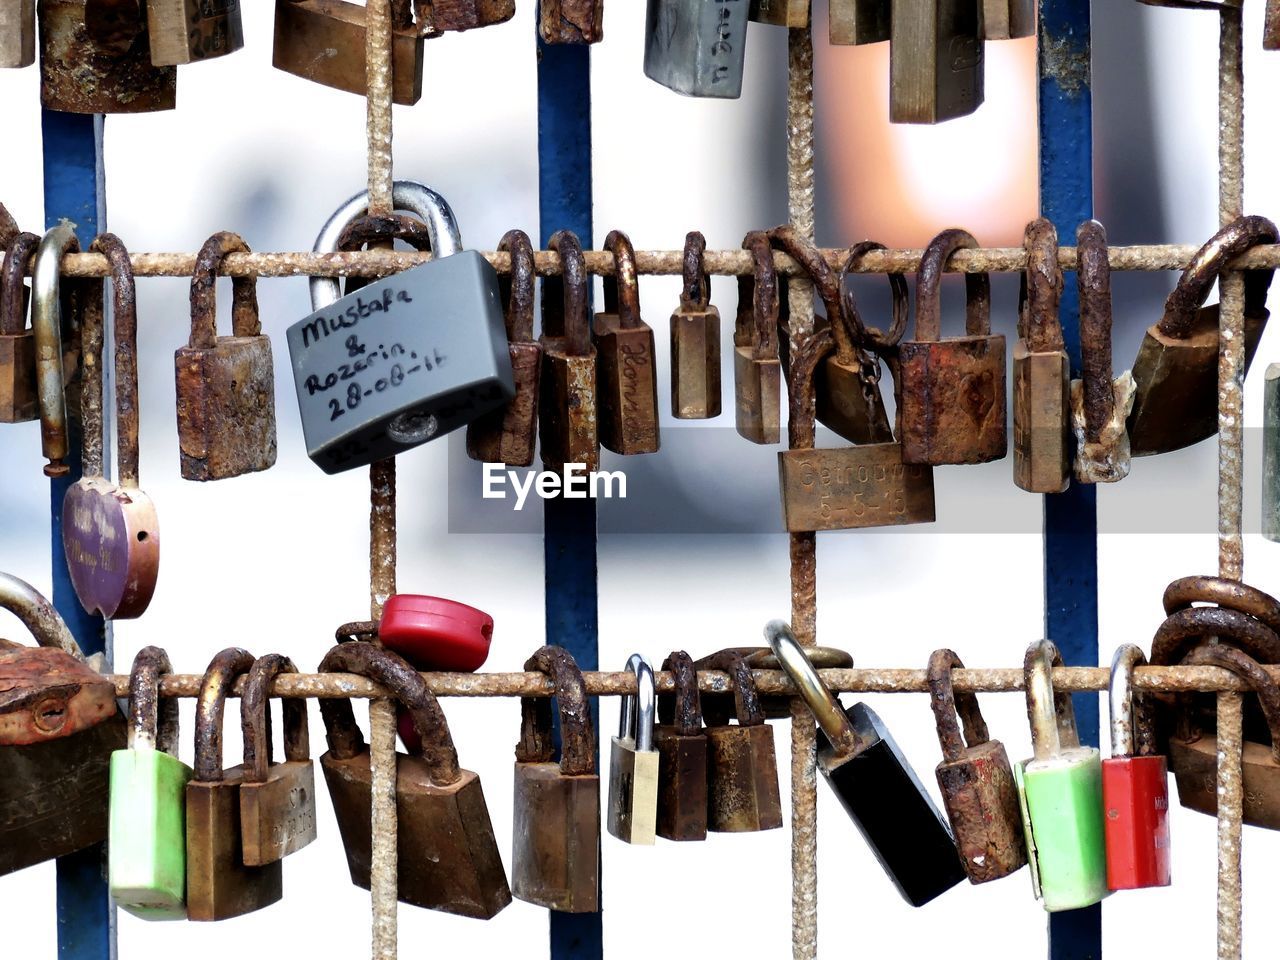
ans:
(277, 800)
(757, 381)
(695, 340)
(742, 767)
(442, 16)
(1176, 370)
(935, 60)
(858, 21)
(781, 13)
(219, 883)
(225, 385)
(953, 388)
(556, 821)
(18, 34)
(95, 58)
(567, 400)
(59, 724)
(324, 41)
(19, 400)
(976, 780)
(445, 848)
(188, 31)
(633, 762)
(682, 755)
(1007, 19)
(571, 21)
(626, 368)
(1099, 405)
(508, 435)
(1041, 370)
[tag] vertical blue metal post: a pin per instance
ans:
(73, 189)
(1071, 518)
(564, 202)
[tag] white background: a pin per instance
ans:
(275, 561)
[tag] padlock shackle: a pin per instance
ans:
(638, 713)
(1237, 237)
(406, 685)
(872, 337)
(1093, 283)
(823, 278)
(683, 709)
(577, 736)
(153, 720)
(758, 299)
(695, 293)
(1040, 293)
(255, 718)
(1248, 669)
(516, 287)
(622, 287)
(1052, 716)
(1232, 594)
(977, 287)
(211, 703)
(204, 279)
(565, 298)
(46, 321)
(747, 709)
(1183, 629)
(1132, 731)
(824, 706)
(417, 198)
(8, 226)
(37, 614)
(12, 305)
(947, 704)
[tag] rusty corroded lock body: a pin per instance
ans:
(277, 800)
(19, 399)
(757, 381)
(1099, 405)
(1007, 19)
(571, 21)
(633, 762)
(110, 532)
(742, 767)
(567, 428)
(59, 724)
(508, 435)
(219, 883)
(447, 855)
(225, 385)
(858, 21)
(781, 13)
(682, 755)
(976, 780)
(695, 340)
(18, 33)
(1271, 26)
(188, 31)
(95, 58)
(324, 41)
(1176, 370)
(953, 389)
(445, 16)
(935, 60)
(556, 822)
(1041, 370)
(626, 371)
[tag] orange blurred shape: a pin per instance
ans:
(903, 183)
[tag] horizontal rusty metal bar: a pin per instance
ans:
(1079, 679)
(655, 262)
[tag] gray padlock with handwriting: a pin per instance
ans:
(695, 47)
(405, 359)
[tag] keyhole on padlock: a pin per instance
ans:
(50, 715)
(142, 536)
(414, 427)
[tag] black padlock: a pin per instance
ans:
(875, 784)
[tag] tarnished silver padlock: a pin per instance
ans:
(696, 47)
(405, 359)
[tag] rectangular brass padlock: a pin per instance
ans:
(935, 61)
(695, 341)
(1008, 19)
(633, 763)
(847, 488)
(757, 366)
(626, 374)
(781, 13)
(188, 31)
(567, 428)
(858, 21)
(18, 33)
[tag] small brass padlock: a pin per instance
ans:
(567, 427)
(682, 755)
(757, 369)
(633, 762)
(626, 368)
(781, 13)
(858, 21)
(1007, 19)
(189, 31)
(935, 60)
(695, 340)
(18, 394)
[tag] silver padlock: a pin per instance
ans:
(405, 359)
(695, 47)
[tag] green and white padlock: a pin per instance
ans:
(147, 840)
(1060, 790)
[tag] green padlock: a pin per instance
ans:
(147, 841)
(1060, 790)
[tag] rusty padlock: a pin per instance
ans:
(190, 31)
(757, 380)
(953, 389)
(1184, 592)
(225, 385)
(626, 368)
(976, 780)
(508, 435)
(777, 706)
(18, 394)
(1041, 370)
(444, 16)
(571, 21)
(1099, 405)
(1271, 26)
(682, 755)
(567, 428)
(110, 532)
(695, 340)
(1176, 371)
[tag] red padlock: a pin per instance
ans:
(1135, 787)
